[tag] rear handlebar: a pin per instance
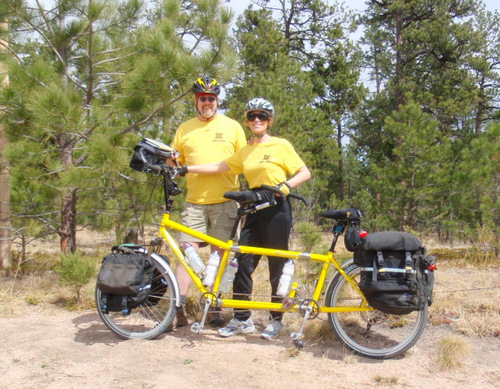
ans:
(294, 195)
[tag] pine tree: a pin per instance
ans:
(268, 71)
(421, 53)
(93, 76)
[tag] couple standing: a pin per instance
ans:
(214, 151)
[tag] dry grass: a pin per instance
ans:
(452, 351)
(466, 292)
(385, 381)
(316, 331)
(41, 290)
(466, 299)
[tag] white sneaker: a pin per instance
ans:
(272, 330)
(236, 327)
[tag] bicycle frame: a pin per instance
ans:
(373, 334)
(326, 259)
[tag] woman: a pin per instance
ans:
(268, 160)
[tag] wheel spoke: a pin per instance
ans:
(149, 319)
(373, 334)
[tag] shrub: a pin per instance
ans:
(451, 351)
(76, 270)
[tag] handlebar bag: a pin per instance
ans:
(148, 153)
(396, 272)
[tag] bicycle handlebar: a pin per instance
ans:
(294, 195)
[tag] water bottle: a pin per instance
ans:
(286, 279)
(211, 272)
(228, 277)
(194, 259)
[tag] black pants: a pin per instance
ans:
(269, 228)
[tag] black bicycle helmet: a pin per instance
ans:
(206, 85)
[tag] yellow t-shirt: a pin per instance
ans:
(267, 163)
(202, 142)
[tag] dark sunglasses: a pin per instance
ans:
(211, 99)
(262, 116)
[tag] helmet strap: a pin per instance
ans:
(262, 135)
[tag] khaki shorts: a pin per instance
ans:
(216, 220)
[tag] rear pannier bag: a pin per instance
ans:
(396, 272)
(124, 281)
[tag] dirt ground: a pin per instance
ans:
(52, 348)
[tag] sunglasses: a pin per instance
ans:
(262, 116)
(211, 99)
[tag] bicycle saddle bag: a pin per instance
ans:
(125, 280)
(396, 272)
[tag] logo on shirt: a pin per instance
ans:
(219, 137)
(265, 158)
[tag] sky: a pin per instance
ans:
(240, 5)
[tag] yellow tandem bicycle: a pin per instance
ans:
(363, 329)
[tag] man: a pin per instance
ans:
(209, 137)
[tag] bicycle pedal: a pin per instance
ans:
(196, 327)
(296, 336)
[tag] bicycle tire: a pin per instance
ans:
(151, 318)
(372, 334)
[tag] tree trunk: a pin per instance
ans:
(341, 162)
(480, 106)
(68, 209)
(399, 95)
(5, 222)
(68, 221)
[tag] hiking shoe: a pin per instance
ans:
(215, 320)
(236, 327)
(181, 318)
(272, 330)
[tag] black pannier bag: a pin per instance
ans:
(148, 153)
(396, 272)
(124, 281)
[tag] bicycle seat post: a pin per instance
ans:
(338, 228)
(235, 226)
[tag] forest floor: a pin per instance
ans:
(45, 345)
(53, 348)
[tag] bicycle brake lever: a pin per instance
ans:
(274, 190)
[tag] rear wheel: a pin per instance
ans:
(151, 318)
(373, 334)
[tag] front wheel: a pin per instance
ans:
(372, 334)
(153, 316)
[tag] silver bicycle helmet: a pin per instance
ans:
(260, 104)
